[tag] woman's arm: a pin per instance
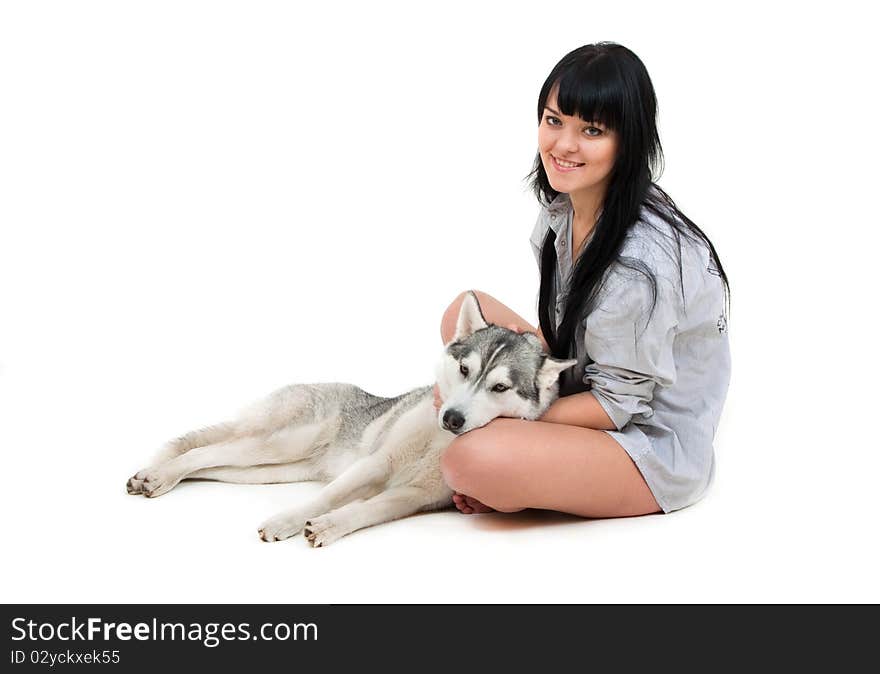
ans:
(579, 409)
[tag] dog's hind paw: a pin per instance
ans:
(281, 527)
(135, 485)
(322, 531)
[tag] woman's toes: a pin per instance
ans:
(468, 505)
(461, 503)
(476, 506)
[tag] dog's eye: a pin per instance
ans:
(500, 388)
(463, 369)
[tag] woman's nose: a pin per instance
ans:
(568, 143)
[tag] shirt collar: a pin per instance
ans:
(559, 212)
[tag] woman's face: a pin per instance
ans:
(589, 145)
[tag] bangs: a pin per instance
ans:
(592, 92)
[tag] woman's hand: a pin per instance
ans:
(537, 334)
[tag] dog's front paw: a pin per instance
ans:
(282, 526)
(154, 482)
(322, 531)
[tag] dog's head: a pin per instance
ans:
(487, 371)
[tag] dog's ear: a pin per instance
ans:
(550, 369)
(470, 317)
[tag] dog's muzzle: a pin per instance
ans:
(453, 420)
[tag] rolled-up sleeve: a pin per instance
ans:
(630, 355)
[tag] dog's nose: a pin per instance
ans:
(453, 420)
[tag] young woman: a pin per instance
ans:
(631, 288)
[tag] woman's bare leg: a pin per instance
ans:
(511, 464)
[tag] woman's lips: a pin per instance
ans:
(563, 169)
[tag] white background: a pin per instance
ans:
(203, 201)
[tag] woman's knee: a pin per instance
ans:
(471, 466)
(453, 465)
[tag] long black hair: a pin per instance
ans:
(606, 82)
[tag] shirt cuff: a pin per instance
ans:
(619, 417)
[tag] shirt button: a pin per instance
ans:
(553, 216)
(563, 244)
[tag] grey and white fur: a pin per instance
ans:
(380, 457)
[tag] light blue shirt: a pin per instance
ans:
(662, 384)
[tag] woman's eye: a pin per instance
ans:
(592, 131)
(500, 388)
(463, 369)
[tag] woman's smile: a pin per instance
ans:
(564, 166)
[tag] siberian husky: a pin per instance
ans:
(380, 456)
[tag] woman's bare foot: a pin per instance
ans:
(469, 505)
